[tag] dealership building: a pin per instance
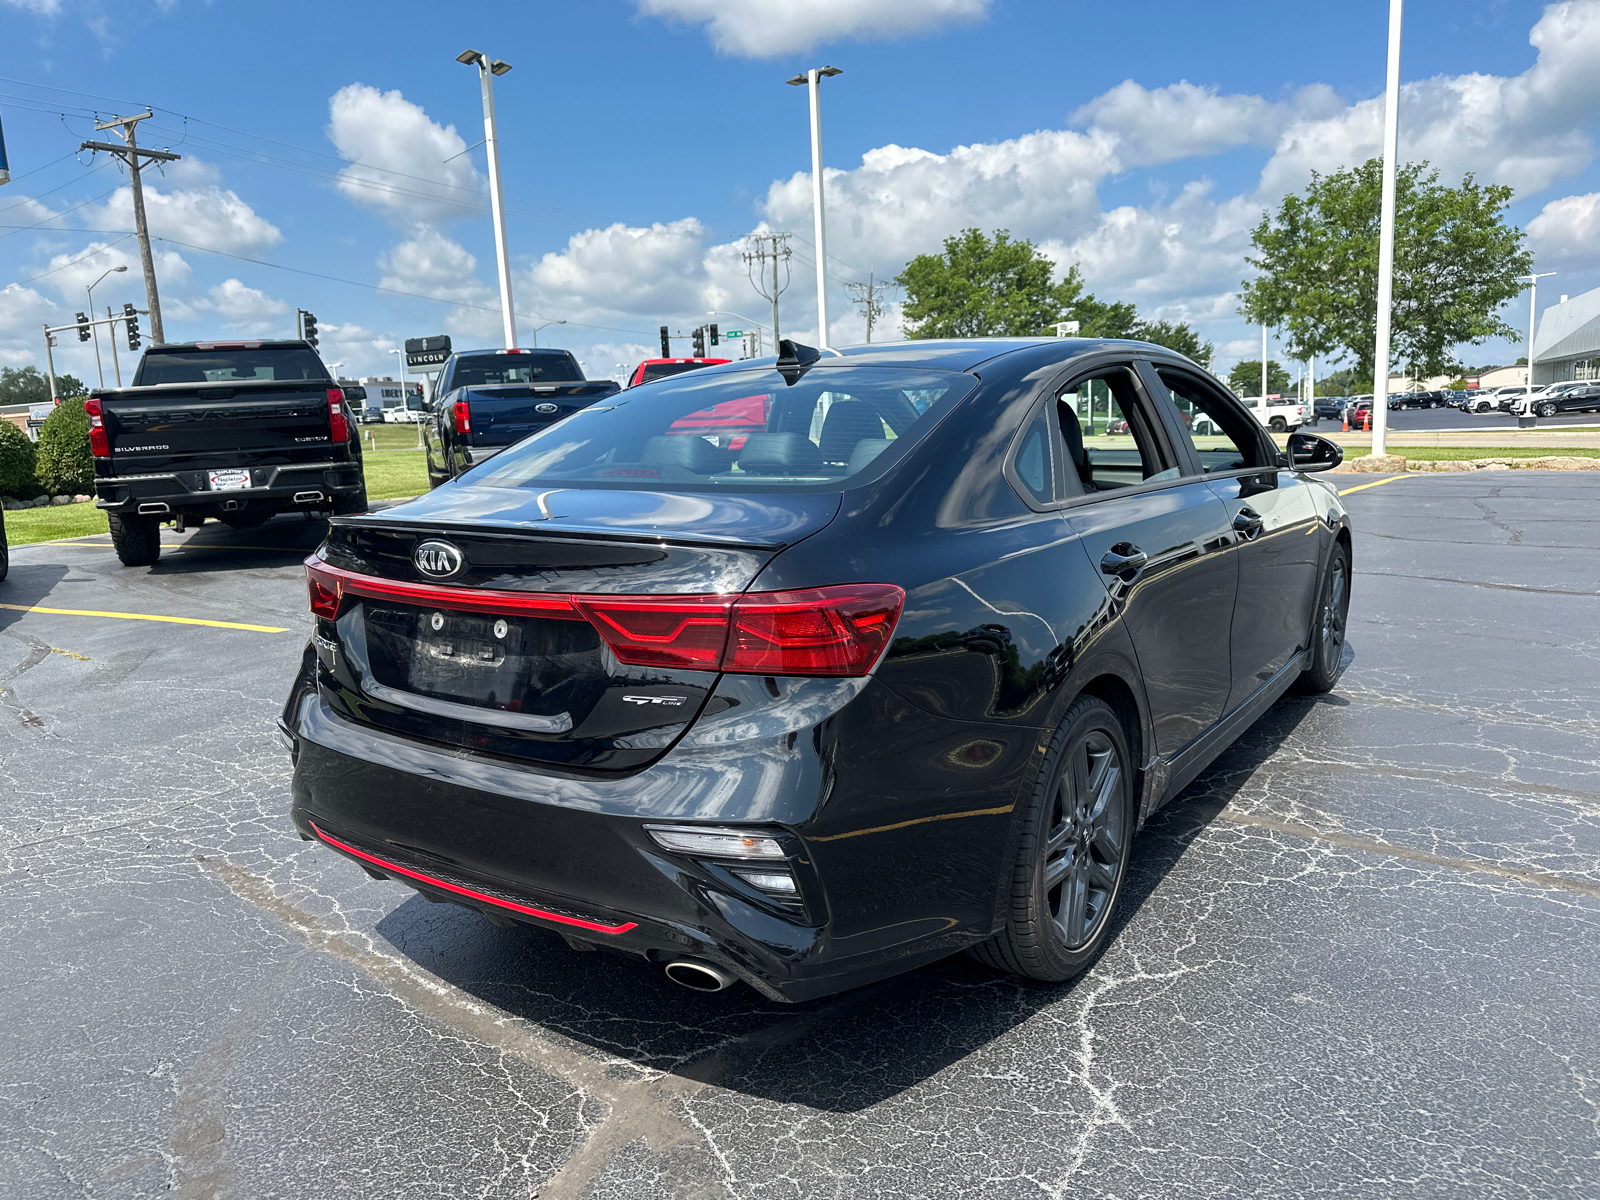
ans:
(1567, 343)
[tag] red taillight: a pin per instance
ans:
(818, 631)
(324, 585)
(463, 417)
(662, 631)
(840, 630)
(338, 424)
(99, 447)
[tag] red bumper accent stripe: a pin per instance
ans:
(461, 891)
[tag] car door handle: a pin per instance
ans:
(1248, 522)
(1124, 560)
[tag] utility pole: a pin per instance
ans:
(487, 69)
(1391, 149)
(136, 160)
(867, 295)
(755, 266)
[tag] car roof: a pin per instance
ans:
(964, 354)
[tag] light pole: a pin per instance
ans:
(98, 370)
(813, 78)
(546, 325)
(1391, 149)
(487, 69)
(1533, 301)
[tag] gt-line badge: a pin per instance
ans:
(669, 701)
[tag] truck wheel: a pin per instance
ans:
(136, 539)
(1278, 425)
(350, 504)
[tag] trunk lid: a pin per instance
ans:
(174, 427)
(497, 659)
(508, 412)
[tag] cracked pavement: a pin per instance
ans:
(1357, 958)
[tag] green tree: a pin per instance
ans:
(1456, 263)
(64, 463)
(1245, 378)
(27, 385)
(997, 287)
(16, 462)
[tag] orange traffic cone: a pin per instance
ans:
(1366, 423)
(1347, 420)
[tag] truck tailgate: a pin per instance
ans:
(508, 412)
(178, 427)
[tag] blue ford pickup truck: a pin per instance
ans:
(486, 400)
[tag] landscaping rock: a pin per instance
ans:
(1377, 464)
(82, 499)
(60, 499)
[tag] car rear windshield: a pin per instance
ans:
(666, 370)
(477, 370)
(229, 366)
(745, 431)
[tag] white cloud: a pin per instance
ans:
(208, 215)
(1567, 231)
(76, 271)
(39, 8)
(242, 309)
(430, 264)
(623, 269)
(779, 28)
(398, 157)
(23, 314)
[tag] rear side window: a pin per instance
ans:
(745, 431)
(229, 366)
(480, 370)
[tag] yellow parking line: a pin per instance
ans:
(122, 616)
(1375, 483)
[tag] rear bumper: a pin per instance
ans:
(285, 486)
(571, 855)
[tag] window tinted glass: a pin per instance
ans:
(748, 431)
(1032, 461)
(1103, 435)
(1223, 438)
(473, 370)
(229, 366)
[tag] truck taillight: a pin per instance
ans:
(98, 445)
(463, 417)
(338, 423)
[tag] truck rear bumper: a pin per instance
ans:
(281, 487)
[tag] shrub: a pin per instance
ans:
(64, 462)
(16, 462)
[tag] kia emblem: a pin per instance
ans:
(546, 408)
(437, 559)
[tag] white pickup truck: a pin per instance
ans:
(1278, 415)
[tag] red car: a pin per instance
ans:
(660, 368)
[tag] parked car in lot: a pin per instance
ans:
(1563, 398)
(1482, 401)
(236, 431)
(1329, 408)
(664, 368)
(1279, 415)
(486, 400)
(1505, 397)
(806, 672)
(1416, 400)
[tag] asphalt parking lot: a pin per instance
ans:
(1358, 957)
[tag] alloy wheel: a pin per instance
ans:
(1335, 610)
(1083, 845)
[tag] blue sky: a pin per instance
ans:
(642, 140)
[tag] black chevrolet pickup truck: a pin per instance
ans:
(237, 431)
(486, 400)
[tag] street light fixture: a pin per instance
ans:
(98, 370)
(487, 69)
(813, 78)
(546, 325)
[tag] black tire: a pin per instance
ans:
(1547, 410)
(248, 518)
(349, 504)
(136, 539)
(1328, 630)
(1278, 425)
(1073, 853)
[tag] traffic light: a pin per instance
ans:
(666, 343)
(308, 328)
(83, 327)
(714, 338)
(130, 321)
(700, 342)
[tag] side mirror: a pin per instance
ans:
(1308, 452)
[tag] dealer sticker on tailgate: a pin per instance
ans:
(229, 481)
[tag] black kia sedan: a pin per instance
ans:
(806, 672)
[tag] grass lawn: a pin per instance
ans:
(391, 474)
(1462, 453)
(388, 437)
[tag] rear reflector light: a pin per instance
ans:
(841, 630)
(715, 842)
(99, 447)
(779, 883)
(463, 417)
(338, 423)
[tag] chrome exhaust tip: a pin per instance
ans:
(307, 497)
(153, 507)
(697, 976)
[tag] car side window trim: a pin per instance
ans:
(1266, 447)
